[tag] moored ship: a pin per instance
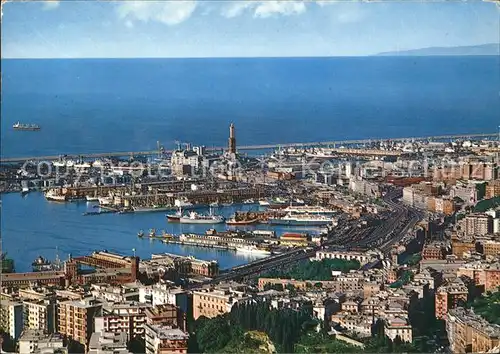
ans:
(235, 222)
(302, 220)
(29, 127)
(55, 197)
(139, 209)
(175, 217)
(195, 218)
(252, 249)
(304, 209)
(42, 265)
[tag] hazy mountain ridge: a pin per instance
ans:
(483, 49)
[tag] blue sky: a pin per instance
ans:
(100, 29)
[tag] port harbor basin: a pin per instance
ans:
(33, 226)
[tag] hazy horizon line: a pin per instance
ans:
(403, 54)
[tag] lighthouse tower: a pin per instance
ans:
(232, 140)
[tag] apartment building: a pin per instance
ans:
(470, 333)
(76, 319)
(433, 250)
(449, 296)
(211, 302)
(398, 327)
(40, 314)
(162, 339)
(127, 317)
(11, 318)
(166, 314)
(492, 189)
(491, 248)
(477, 224)
(483, 274)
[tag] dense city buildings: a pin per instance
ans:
(389, 250)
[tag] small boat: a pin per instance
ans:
(249, 201)
(25, 190)
(264, 202)
(152, 233)
(140, 234)
(91, 199)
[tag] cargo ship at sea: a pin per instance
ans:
(28, 127)
(302, 220)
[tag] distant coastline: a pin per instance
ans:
(483, 49)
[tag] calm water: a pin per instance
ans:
(32, 226)
(116, 105)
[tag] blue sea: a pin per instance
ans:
(100, 105)
(126, 105)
